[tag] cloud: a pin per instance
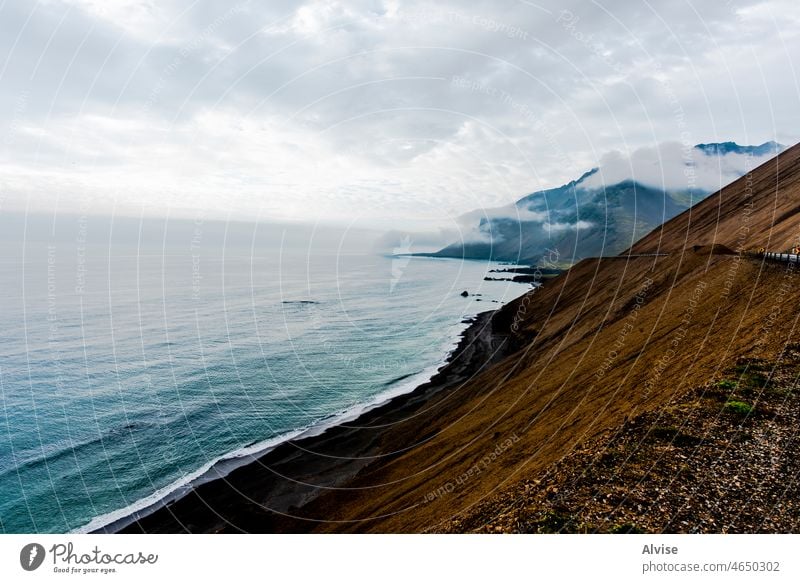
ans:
(511, 212)
(387, 112)
(559, 227)
(480, 226)
(673, 166)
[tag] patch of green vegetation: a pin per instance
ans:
(626, 528)
(755, 380)
(738, 407)
(751, 378)
(553, 522)
(751, 373)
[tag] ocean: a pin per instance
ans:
(140, 357)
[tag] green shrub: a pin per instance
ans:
(626, 528)
(553, 522)
(738, 407)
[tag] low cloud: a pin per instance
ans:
(511, 211)
(673, 167)
(558, 227)
(476, 226)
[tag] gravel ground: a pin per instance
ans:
(722, 459)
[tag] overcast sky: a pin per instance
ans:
(380, 113)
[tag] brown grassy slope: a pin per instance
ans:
(591, 360)
(759, 209)
(722, 458)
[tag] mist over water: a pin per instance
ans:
(136, 353)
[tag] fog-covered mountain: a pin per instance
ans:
(608, 208)
(722, 148)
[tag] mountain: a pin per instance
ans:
(587, 218)
(722, 148)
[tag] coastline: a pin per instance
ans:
(222, 466)
(256, 495)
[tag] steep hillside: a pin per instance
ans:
(608, 341)
(759, 210)
(592, 360)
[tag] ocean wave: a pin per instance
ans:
(52, 452)
(223, 465)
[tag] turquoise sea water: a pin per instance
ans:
(137, 355)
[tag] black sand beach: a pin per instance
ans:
(264, 495)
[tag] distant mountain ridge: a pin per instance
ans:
(732, 147)
(585, 218)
